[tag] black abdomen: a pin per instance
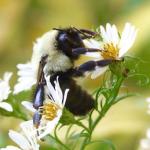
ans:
(79, 102)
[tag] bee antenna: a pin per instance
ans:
(82, 31)
(58, 29)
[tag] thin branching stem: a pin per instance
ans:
(58, 140)
(105, 108)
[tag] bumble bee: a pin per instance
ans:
(57, 53)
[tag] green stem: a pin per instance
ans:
(82, 125)
(111, 99)
(58, 140)
(106, 107)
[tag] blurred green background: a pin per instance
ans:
(22, 21)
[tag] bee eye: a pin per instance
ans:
(63, 37)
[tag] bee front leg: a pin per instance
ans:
(83, 50)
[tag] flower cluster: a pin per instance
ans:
(51, 113)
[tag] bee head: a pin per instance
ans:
(68, 39)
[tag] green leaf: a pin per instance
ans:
(67, 118)
(106, 142)
(15, 101)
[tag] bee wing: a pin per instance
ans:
(40, 76)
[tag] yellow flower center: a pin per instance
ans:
(110, 51)
(49, 110)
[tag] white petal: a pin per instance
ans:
(109, 32)
(6, 106)
(91, 43)
(10, 148)
(127, 39)
(51, 89)
(19, 139)
(115, 35)
(4, 86)
(30, 133)
(22, 87)
(27, 77)
(7, 76)
(110, 35)
(28, 105)
(93, 54)
(104, 34)
(98, 71)
(59, 91)
(49, 126)
(65, 96)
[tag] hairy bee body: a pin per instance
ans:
(58, 45)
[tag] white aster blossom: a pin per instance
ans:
(145, 143)
(113, 45)
(26, 140)
(27, 77)
(5, 91)
(116, 46)
(52, 107)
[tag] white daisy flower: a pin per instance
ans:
(5, 91)
(52, 108)
(114, 46)
(26, 140)
(27, 77)
(145, 143)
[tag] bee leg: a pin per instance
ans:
(36, 119)
(39, 93)
(37, 103)
(39, 96)
(90, 66)
(83, 50)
